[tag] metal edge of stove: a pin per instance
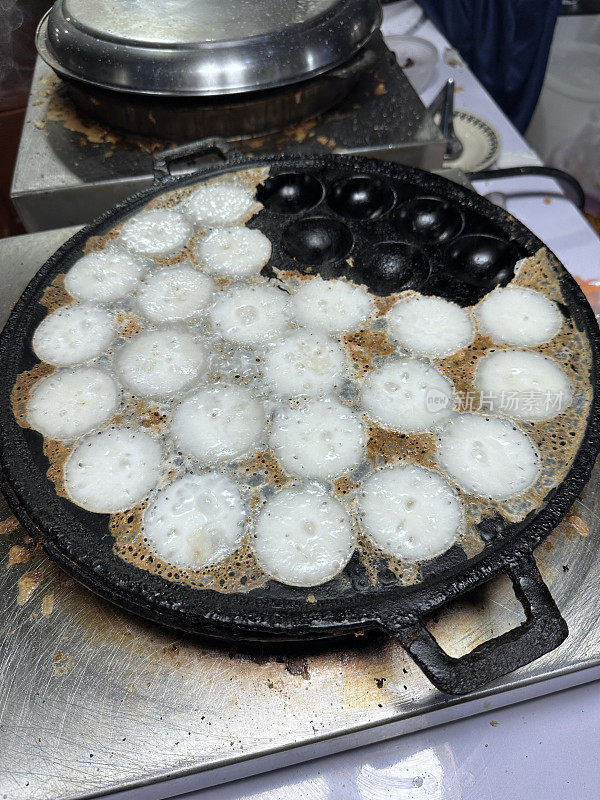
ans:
(41, 174)
(66, 204)
(94, 702)
(278, 759)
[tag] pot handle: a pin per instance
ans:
(162, 161)
(542, 631)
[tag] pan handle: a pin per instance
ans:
(162, 161)
(542, 631)
(564, 178)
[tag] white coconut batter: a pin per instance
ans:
(487, 456)
(195, 521)
(408, 396)
(304, 363)
(178, 293)
(74, 334)
(523, 317)
(523, 384)
(430, 326)
(69, 403)
(410, 512)
(280, 342)
(112, 470)
(303, 537)
(250, 315)
(157, 232)
(219, 424)
(104, 276)
(334, 306)
(158, 363)
(221, 204)
(322, 439)
(234, 252)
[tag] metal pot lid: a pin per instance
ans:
(202, 47)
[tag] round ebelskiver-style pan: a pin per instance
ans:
(314, 215)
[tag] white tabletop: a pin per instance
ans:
(544, 748)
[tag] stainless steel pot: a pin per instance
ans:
(202, 48)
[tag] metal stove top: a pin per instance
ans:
(94, 701)
(69, 169)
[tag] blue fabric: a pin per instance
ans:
(506, 44)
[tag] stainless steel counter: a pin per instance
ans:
(94, 701)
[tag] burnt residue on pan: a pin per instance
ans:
(55, 295)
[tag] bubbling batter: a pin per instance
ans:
(196, 520)
(487, 456)
(303, 537)
(112, 470)
(410, 512)
(240, 425)
(523, 317)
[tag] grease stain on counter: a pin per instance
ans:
(17, 555)
(27, 584)
(62, 664)
(8, 525)
(48, 604)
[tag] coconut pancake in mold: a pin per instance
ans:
(196, 520)
(69, 403)
(319, 439)
(518, 316)
(219, 423)
(410, 512)
(157, 232)
(487, 456)
(407, 395)
(221, 204)
(175, 293)
(303, 537)
(251, 314)
(161, 362)
(74, 334)
(430, 326)
(112, 470)
(304, 363)
(236, 252)
(334, 306)
(104, 275)
(523, 384)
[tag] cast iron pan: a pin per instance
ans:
(406, 228)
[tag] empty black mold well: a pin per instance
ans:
(397, 266)
(291, 193)
(431, 220)
(317, 240)
(360, 197)
(481, 260)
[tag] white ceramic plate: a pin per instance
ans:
(481, 142)
(416, 56)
